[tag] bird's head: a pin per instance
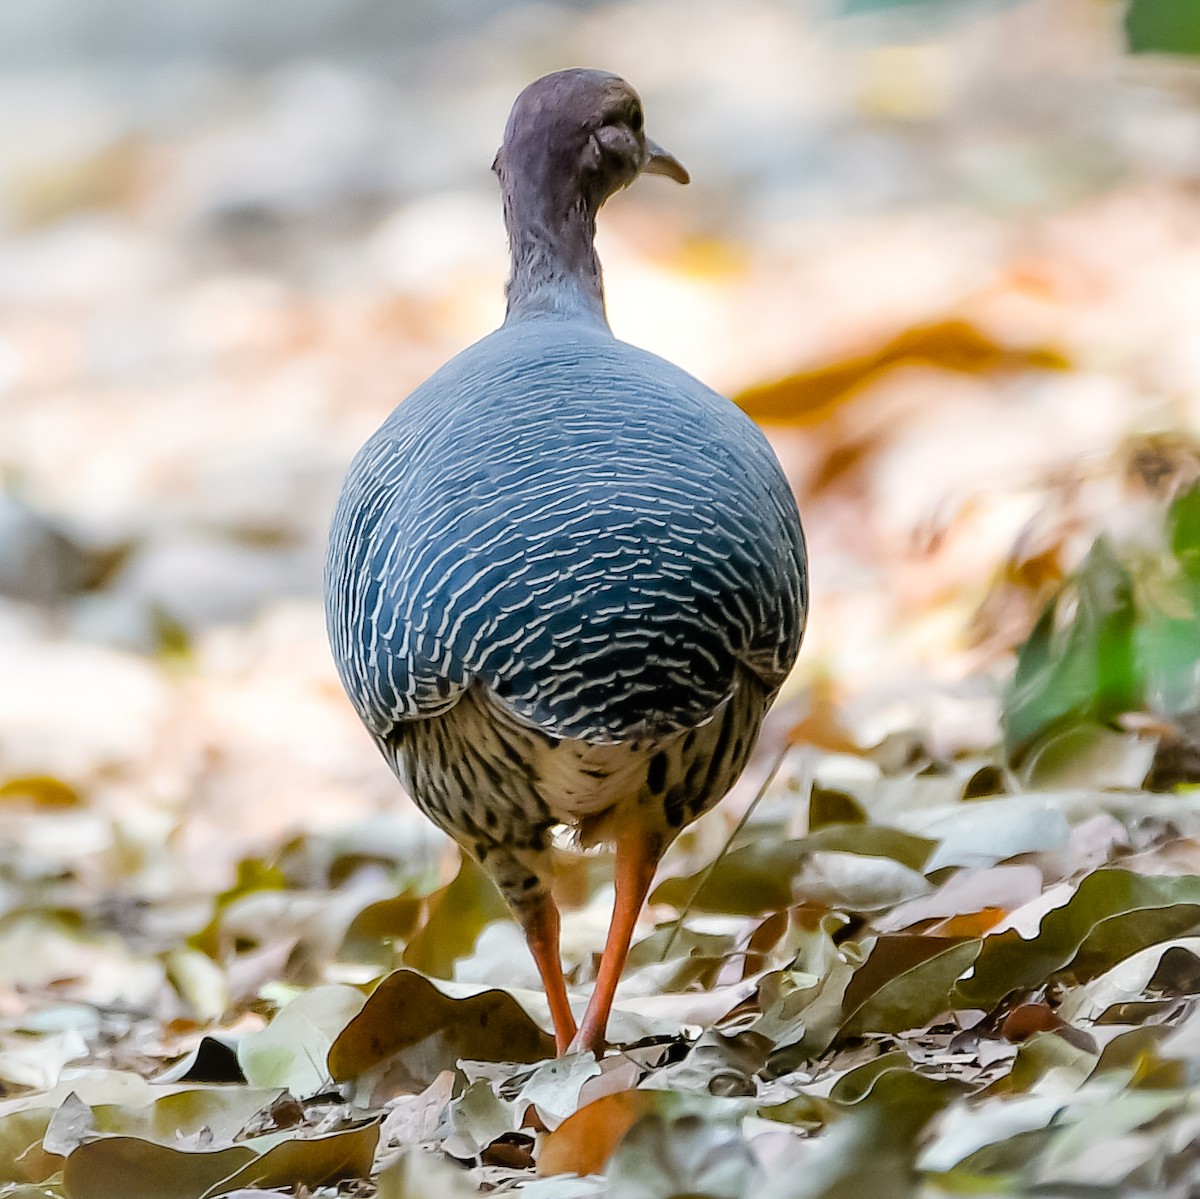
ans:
(580, 132)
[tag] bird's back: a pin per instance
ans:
(579, 525)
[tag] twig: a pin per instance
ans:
(737, 828)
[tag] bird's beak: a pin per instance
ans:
(660, 162)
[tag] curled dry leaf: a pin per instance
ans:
(1132, 977)
(409, 1017)
(291, 1051)
(476, 1119)
(996, 889)
(413, 1119)
(307, 1162)
(554, 1088)
(69, 1126)
(131, 1168)
(988, 831)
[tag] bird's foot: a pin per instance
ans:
(588, 1040)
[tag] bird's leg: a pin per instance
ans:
(541, 925)
(637, 859)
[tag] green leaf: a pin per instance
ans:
(1085, 754)
(993, 1138)
(850, 7)
(375, 929)
(291, 1051)
(1168, 649)
(307, 1163)
(1163, 26)
(872, 841)
(1081, 1151)
(757, 878)
(751, 881)
(1112, 915)
(869, 1149)
(941, 11)
(906, 981)
(22, 1158)
(1077, 664)
(1183, 517)
(217, 1112)
(890, 1080)
(826, 806)
(457, 915)
(1038, 1056)
(1167, 639)
(130, 1168)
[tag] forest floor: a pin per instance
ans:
(944, 936)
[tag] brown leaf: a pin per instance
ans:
(131, 1168)
(826, 806)
(968, 924)
(458, 914)
(513, 1150)
(1026, 1019)
(386, 920)
(821, 725)
(310, 1162)
(22, 1155)
(407, 1010)
(583, 1143)
(42, 790)
(809, 397)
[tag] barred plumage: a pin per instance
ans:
(599, 540)
(565, 579)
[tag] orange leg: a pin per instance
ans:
(541, 931)
(637, 859)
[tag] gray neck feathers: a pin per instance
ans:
(551, 230)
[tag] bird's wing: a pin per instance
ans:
(589, 531)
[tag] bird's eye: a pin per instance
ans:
(636, 120)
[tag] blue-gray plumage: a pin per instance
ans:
(565, 578)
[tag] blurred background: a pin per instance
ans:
(947, 252)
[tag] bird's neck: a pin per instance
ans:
(555, 271)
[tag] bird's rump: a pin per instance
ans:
(603, 543)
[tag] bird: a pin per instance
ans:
(565, 579)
